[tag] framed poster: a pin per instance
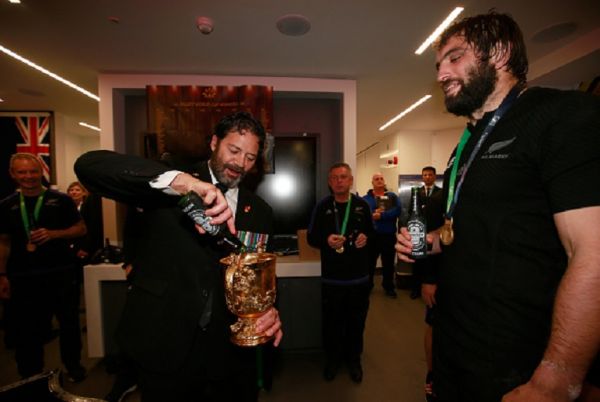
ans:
(181, 119)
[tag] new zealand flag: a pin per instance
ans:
(24, 132)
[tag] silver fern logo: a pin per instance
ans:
(493, 150)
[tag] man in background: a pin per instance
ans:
(385, 209)
(518, 313)
(38, 270)
(340, 226)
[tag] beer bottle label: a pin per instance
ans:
(418, 233)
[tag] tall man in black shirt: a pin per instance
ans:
(518, 314)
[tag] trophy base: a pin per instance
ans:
(243, 333)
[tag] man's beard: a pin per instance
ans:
(218, 167)
(473, 94)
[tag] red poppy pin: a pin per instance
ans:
(247, 208)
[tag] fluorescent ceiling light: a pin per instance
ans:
(48, 73)
(405, 112)
(439, 29)
(15, 1)
(84, 124)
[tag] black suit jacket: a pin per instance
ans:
(432, 207)
(175, 270)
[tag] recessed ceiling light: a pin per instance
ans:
(84, 124)
(48, 73)
(293, 25)
(1, 100)
(405, 112)
(451, 17)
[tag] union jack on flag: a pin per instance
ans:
(35, 139)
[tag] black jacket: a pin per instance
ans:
(176, 270)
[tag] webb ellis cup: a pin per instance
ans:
(249, 291)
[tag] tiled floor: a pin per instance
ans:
(393, 362)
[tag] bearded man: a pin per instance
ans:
(518, 314)
(175, 325)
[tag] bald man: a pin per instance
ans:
(385, 209)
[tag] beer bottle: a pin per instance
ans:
(192, 206)
(417, 228)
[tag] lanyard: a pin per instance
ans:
(502, 109)
(346, 215)
(30, 221)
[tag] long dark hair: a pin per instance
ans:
(241, 121)
(491, 33)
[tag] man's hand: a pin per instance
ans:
(217, 210)
(404, 244)
(270, 324)
(4, 287)
(40, 235)
(82, 254)
(361, 240)
(550, 382)
(335, 241)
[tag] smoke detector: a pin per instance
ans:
(204, 25)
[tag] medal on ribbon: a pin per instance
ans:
(30, 220)
(447, 233)
(341, 231)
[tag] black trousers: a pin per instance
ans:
(344, 315)
(215, 371)
(383, 245)
(35, 299)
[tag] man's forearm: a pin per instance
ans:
(575, 333)
(575, 336)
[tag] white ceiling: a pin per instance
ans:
(371, 41)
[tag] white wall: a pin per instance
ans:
(416, 149)
(68, 145)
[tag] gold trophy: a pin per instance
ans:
(250, 290)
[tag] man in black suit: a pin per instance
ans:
(175, 323)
